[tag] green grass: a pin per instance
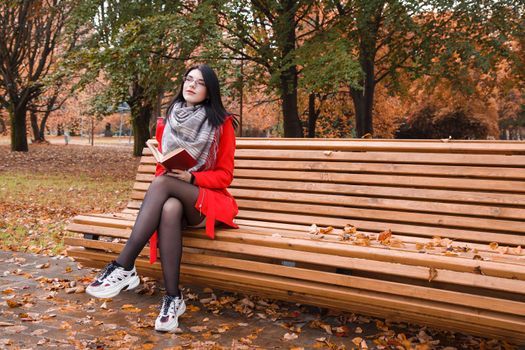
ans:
(37, 207)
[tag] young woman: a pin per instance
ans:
(197, 121)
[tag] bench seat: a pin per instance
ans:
(424, 231)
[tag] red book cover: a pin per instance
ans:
(176, 159)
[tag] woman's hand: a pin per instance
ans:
(180, 174)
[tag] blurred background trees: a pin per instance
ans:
(292, 68)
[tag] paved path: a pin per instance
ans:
(43, 306)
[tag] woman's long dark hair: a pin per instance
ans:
(215, 111)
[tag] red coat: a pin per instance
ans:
(214, 200)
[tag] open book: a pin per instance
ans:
(176, 159)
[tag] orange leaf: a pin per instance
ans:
(383, 236)
(326, 230)
(432, 274)
(12, 303)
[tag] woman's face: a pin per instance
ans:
(194, 89)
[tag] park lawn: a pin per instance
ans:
(40, 191)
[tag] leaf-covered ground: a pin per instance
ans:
(42, 189)
(43, 303)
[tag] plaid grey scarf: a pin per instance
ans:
(188, 127)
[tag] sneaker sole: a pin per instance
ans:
(180, 312)
(133, 284)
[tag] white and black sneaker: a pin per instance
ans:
(111, 280)
(168, 319)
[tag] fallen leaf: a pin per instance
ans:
(192, 308)
(313, 230)
(5, 341)
(39, 331)
(197, 329)
(326, 230)
(493, 245)
(290, 336)
(357, 340)
(341, 331)
(383, 236)
(12, 303)
(350, 229)
(130, 308)
(503, 250)
(432, 274)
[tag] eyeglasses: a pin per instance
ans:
(198, 82)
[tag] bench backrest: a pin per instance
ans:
(463, 190)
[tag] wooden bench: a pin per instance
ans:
(453, 259)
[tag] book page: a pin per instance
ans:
(154, 150)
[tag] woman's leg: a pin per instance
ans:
(161, 189)
(170, 244)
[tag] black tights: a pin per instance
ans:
(168, 203)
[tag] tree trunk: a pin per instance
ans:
(140, 117)
(368, 21)
(291, 123)
(286, 41)
(18, 129)
(363, 105)
(312, 115)
(43, 126)
(364, 99)
(3, 126)
(37, 132)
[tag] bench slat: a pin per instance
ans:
(453, 170)
(378, 226)
(381, 145)
(435, 220)
(379, 203)
(382, 168)
(386, 157)
(390, 180)
(508, 199)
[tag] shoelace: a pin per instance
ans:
(166, 302)
(107, 271)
